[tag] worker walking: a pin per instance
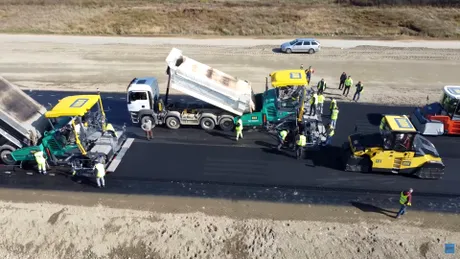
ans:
(319, 107)
(313, 104)
(147, 127)
(239, 129)
(329, 133)
(282, 138)
(100, 174)
(334, 116)
(405, 200)
(321, 86)
(308, 72)
(359, 89)
(41, 162)
(348, 83)
(333, 105)
(343, 77)
(301, 142)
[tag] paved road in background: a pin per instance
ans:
(195, 156)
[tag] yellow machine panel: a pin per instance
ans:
(283, 78)
(400, 123)
(76, 105)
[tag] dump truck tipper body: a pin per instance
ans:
(19, 116)
(221, 96)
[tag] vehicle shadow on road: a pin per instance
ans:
(374, 118)
(364, 207)
(328, 157)
(282, 152)
(228, 135)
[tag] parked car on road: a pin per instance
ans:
(308, 45)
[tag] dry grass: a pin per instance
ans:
(232, 18)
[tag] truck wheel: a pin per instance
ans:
(173, 122)
(226, 124)
(6, 157)
(207, 124)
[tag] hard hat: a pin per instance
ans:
(411, 190)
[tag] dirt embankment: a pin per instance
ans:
(243, 18)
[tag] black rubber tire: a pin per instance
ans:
(288, 51)
(173, 122)
(5, 155)
(429, 172)
(311, 51)
(207, 123)
(226, 124)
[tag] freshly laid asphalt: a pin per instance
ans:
(202, 162)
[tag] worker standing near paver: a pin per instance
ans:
(359, 89)
(319, 107)
(321, 86)
(41, 162)
(147, 127)
(343, 77)
(334, 116)
(405, 200)
(301, 142)
(100, 174)
(333, 105)
(282, 138)
(239, 129)
(309, 71)
(313, 104)
(348, 83)
(329, 134)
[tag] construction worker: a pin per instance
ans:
(321, 86)
(348, 83)
(41, 161)
(239, 129)
(319, 107)
(405, 200)
(282, 138)
(359, 89)
(301, 66)
(328, 134)
(334, 116)
(333, 105)
(147, 127)
(301, 142)
(382, 125)
(313, 104)
(309, 71)
(343, 77)
(100, 174)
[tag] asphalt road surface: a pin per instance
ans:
(195, 156)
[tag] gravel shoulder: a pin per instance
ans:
(392, 75)
(48, 225)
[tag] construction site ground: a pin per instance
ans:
(56, 218)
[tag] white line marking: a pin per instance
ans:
(52, 95)
(114, 164)
(122, 98)
(40, 95)
(109, 97)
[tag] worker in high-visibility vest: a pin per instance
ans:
(348, 84)
(313, 104)
(405, 200)
(333, 105)
(282, 138)
(239, 129)
(319, 107)
(41, 162)
(382, 125)
(334, 116)
(100, 174)
(301, 142)
(329, 134)
(321, 87)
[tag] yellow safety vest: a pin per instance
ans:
(333, 104)
(100, 169)
(331, 133)
(283, 134)
(238, 128)
(335, 114)
(39, 158)
(403, 198)
(315, 101)
(320, 98)
(348, 82)
(302, 141)
(382, 123)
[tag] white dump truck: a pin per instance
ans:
(221, 96)
(22, 120)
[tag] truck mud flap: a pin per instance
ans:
(115, 160)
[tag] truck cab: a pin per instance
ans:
(441, 117)
(143, 99)
(283, 99)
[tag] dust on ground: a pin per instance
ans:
(396, 76)
(55, 225)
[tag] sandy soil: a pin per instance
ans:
(144, 227)
(391, 75)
